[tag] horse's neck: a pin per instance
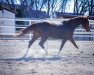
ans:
(74, 24)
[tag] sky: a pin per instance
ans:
(18, 2)
(70, 6)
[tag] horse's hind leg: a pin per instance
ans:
(73, 42)
(32, 41)
(43, 40)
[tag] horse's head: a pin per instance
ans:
(85, 24)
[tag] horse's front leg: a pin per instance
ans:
(73, 42)
(62, 44)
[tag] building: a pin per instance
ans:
(7, 26)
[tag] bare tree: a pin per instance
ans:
(91, 7)
(63, 5)
(83, 6)
(76, 6)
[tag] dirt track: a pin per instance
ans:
(72, 61)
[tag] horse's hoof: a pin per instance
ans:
(56, 56)
(24, 56)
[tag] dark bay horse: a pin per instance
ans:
(63, 30)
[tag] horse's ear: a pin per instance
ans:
(87, 17)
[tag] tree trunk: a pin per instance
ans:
(48, 9)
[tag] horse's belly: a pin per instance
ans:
(61, 34)
(56, 35)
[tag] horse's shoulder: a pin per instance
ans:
(66, 22)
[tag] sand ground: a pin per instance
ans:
(72, 61)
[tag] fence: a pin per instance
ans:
(79, 33)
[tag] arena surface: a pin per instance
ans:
(72, 61)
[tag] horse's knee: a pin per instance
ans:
(41, 44)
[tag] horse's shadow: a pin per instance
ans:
(26, 59)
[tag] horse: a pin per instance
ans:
(63, 30)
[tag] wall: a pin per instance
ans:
(9, 24)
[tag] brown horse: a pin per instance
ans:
(63, 30)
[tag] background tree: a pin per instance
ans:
(63, 5)
(83, 6)
(91, 7)
(51, 6)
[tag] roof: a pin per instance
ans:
(71, 15)
(35, 14)
(6, 8)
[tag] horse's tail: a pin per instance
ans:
(25, 31)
